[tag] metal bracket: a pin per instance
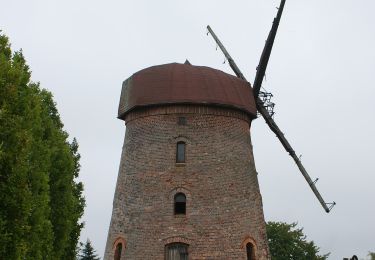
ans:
(266, 99)
(331, 205)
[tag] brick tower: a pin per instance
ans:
(187, 186)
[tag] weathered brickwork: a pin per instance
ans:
(224, 205)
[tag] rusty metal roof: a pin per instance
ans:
(176, 83)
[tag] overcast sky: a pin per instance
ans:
(321, 73)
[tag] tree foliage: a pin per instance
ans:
(41, 203)
(88, 252)
(371, 255)
(286, 241)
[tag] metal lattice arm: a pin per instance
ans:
(273, 126)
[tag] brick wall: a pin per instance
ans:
(224, 205)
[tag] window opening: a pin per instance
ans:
(250, 251)
(180, 204)
(180, 154)
(176, 251)
(118, 251)
(182, 120)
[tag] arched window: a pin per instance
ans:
(250, 251)
(179, 204)
(180, 152)
(176, 251)
(118, 251)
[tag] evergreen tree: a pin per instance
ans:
(40, 201)
(88, 252)
(288, 242)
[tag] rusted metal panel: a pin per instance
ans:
(185, 84)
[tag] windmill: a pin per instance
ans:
(263, 103)
(187, 185)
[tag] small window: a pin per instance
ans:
(180, 153)
(118, 251)
(182, 120)
(180, 204)
(250, 251)
(176, 251)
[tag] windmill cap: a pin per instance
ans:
(176, 83)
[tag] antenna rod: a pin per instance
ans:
(272, 124)
(263, 62)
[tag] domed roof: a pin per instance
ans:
(176, 83)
